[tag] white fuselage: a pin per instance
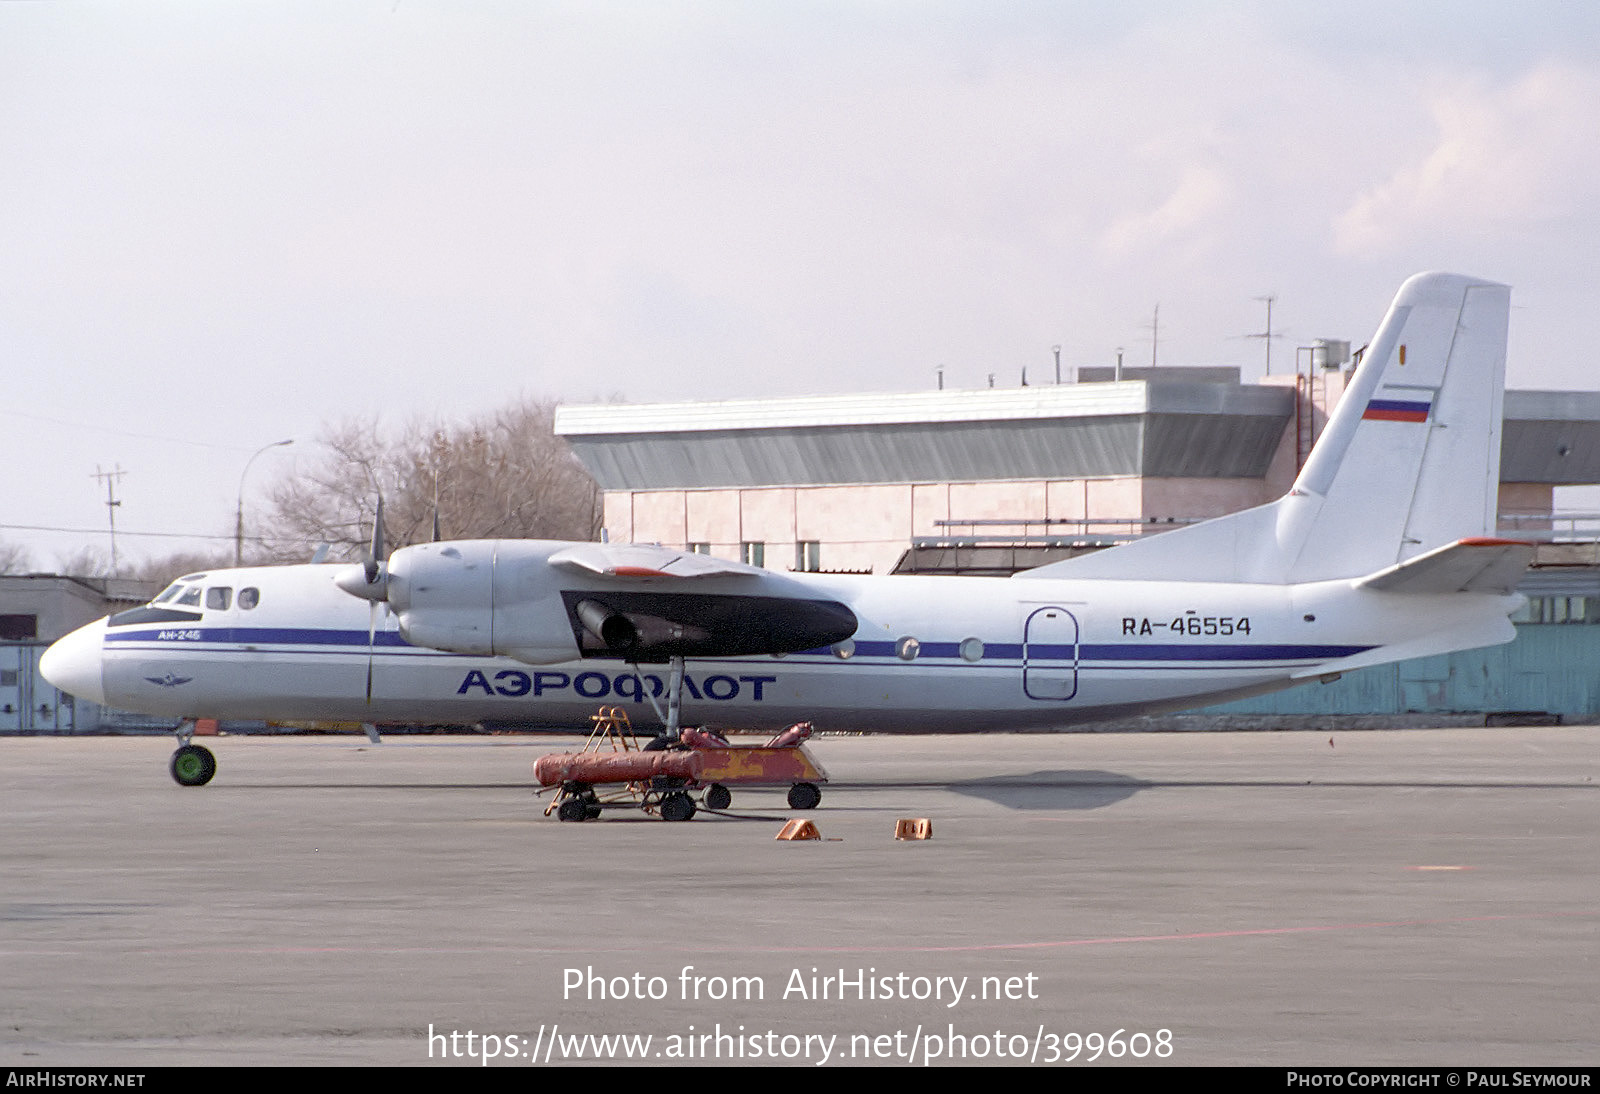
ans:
(930, 654)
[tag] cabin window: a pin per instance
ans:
(218, 597)
(845, 650)
(907, 648)
(972, 649)
(249, 598)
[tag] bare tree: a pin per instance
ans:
(164, 569)
(14, 559)
(504, 476)
(86, 561)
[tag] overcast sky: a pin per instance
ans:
(224, 224)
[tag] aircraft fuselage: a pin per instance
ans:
(932, 654)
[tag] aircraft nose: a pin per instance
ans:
(74, 664)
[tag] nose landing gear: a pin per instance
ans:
(192, 764)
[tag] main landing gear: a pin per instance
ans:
(192, 764)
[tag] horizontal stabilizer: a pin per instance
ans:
(645, 560)
(1467, 566)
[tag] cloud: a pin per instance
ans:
(1189, 213)
(1522, 155)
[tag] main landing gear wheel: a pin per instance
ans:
(677, 807)
(193, 765)
(718, 797)
(804, 796)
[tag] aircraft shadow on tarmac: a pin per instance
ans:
(1053, 789)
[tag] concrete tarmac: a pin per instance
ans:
(1371, 898)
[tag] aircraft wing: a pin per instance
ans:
(1477, 565)
(644, 560)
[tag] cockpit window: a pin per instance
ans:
(219, 597)
(168, 593)
(190, 597)
(249, 598)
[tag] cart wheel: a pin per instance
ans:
(591, 811)
(573, 810)
(677, 807)
(718, 797)
(804, 796)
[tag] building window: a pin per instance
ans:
(1559, 609)
(808, 556)
(753, 554)
(700, 548)
(18, 628)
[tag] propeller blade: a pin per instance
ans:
(374, 560)
(372, 639)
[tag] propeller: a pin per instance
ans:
(371, 583)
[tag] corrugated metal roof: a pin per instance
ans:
(1067, 432)
(1163, 428)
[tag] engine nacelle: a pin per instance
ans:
(506, 598)
(465, 597)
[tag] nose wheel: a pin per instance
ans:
(193, 765)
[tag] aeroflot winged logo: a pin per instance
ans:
(169, 680)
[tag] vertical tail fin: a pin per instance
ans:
(1409, 461)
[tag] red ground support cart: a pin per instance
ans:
(612, 772)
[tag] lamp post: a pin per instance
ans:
(238, 522)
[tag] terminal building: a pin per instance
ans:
(881, 483)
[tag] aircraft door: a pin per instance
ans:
(1050, 654)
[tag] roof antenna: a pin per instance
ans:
(1267, 336)
(112, 504)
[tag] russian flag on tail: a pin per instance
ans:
(1396, 410)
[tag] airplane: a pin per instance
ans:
(1384, 549)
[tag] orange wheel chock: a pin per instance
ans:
(913, 828)
(799, 829)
